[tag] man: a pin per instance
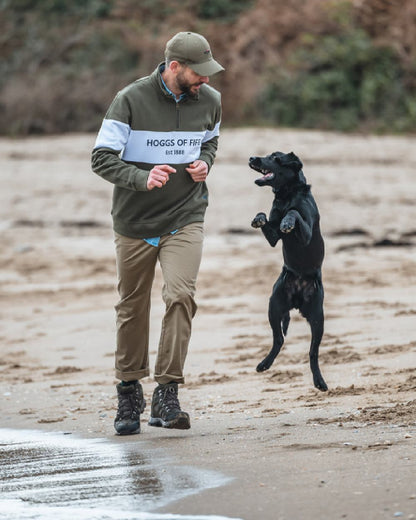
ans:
(157, 144)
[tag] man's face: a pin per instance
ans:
(189, 82)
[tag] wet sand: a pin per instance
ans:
(48, 476)
(293, 452)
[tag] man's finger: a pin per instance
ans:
(165, 168)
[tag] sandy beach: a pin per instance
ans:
(293, 453)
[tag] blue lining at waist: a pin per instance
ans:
(155, 240)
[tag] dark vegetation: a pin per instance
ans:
(345, 65)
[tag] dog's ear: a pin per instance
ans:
(292, 161)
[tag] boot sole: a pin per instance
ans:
(131, 432)
(180, 423)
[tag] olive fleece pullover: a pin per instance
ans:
(145, 126)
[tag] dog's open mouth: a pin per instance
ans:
(267, 175)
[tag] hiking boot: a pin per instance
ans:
(130, 405)
(166, 410)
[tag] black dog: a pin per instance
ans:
(294, 218)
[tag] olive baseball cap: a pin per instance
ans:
(193, 50)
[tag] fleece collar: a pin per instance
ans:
(157, 75)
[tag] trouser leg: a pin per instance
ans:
(180, 258)
(136, 262)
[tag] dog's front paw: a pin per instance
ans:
(287, 224)
(259, 220)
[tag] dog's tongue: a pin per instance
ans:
(267, 176)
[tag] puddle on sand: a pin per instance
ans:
(45, 476)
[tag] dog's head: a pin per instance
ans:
(279, 170)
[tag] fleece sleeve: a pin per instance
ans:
(111, 140)
(208, 151)
(210, 143)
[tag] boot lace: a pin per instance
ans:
(129, 405)
(169, 399)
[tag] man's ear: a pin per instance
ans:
(174, 66)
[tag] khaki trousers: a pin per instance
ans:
(179, 256)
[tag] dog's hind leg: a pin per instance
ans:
(315, 315)
(285, 323)
(278, 312)
(317, 328)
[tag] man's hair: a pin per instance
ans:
(168, 62)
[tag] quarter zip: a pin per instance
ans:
(177, 115)
(169, 93)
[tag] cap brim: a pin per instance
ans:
(207, 68)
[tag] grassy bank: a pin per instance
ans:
(340, 65)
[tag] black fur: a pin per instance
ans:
(294, 219)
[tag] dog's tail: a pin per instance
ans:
(285, 323)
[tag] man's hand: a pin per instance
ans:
(198, 170)
(159, 176)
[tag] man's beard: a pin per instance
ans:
(185, 87)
